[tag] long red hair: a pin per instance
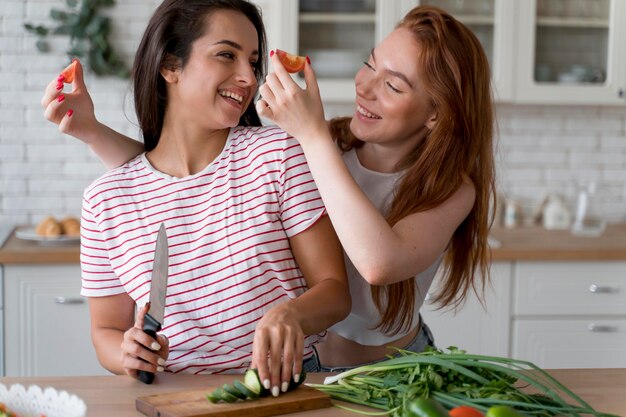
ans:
(457, 79)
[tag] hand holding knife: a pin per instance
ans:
(158, 292)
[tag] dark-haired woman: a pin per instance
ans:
(407, 181)
(256, 272)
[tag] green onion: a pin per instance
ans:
(455, 378)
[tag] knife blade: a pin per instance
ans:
(158, 292)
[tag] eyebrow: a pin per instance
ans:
(234, 45)
(394, 73)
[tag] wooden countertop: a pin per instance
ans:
(108, 396)
(537, 244)
(527, 244)
(19, 251)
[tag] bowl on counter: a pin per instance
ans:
(34, 401)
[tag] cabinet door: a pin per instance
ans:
(493, 23)
(477, 329)
(337, 36)
(571, 52)
(47, 327)
(580, 343)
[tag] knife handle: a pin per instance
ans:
(150, 327)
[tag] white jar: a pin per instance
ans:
(556, 215)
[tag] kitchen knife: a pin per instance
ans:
(158, 291)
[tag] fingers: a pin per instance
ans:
(136, 356)
(264, 110)
(141, 315)
(53, 89)
(282, 75)
(79, 80)
(310, 79)
(260, 347)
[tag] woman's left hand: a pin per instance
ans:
(296, 110)
(278, 348)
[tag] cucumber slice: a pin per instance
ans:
(229, 398)
(251, 380)
(234, 391)
(245, 390)
(215, 396)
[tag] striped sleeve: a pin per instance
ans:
(98, 278)
(300, 202)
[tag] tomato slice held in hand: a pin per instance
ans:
(68, 72)
(292, 63)
(465, 411)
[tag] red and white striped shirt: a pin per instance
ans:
(229, 255)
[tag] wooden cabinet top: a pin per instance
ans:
(537, 244)
(524, 244)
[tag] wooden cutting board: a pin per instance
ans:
(195, 404)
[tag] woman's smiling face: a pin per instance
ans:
(392, 104)
(218, 83)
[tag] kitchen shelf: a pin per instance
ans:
(572, 22)
(475, 19)
(306, 17)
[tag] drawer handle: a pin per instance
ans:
(599, 328)
(69, 300)
(599, 289)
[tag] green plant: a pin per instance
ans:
(88, 31)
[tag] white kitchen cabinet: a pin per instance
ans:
(47, 327)
(571, 52)
(540, 51)
(337, 35)
(552, 313)
(570, 314)
(476, 328)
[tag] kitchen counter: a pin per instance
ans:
(19, 251)
(107, 396)
(526, 243)
(538, 244)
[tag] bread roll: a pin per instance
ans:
(70, 226)
(49, 227)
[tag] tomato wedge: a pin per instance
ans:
(465, 411)
(68, 72)
(292, 63)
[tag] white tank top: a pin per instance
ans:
(359, 325)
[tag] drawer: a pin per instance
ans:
(569, 288)
(583, 343)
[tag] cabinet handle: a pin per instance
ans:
(69, 300)
(620, 93)
(599, 328)
(599, 289)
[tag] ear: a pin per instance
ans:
(170, 75)
(432, 121)
(170, 70)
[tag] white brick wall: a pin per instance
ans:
(541, 149)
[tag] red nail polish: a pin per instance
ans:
(61, 78)
(308, 60)
(61, 98)
(59, 86)
(272, 53)
(70, 112)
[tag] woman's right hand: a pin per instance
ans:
(72, 111)
(142, 352)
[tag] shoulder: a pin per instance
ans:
(268, 136)
(121, 176)
(267, 142)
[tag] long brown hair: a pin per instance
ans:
(460, 146)
(167, 42)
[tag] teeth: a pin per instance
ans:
(366, 113)
(232, 95)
